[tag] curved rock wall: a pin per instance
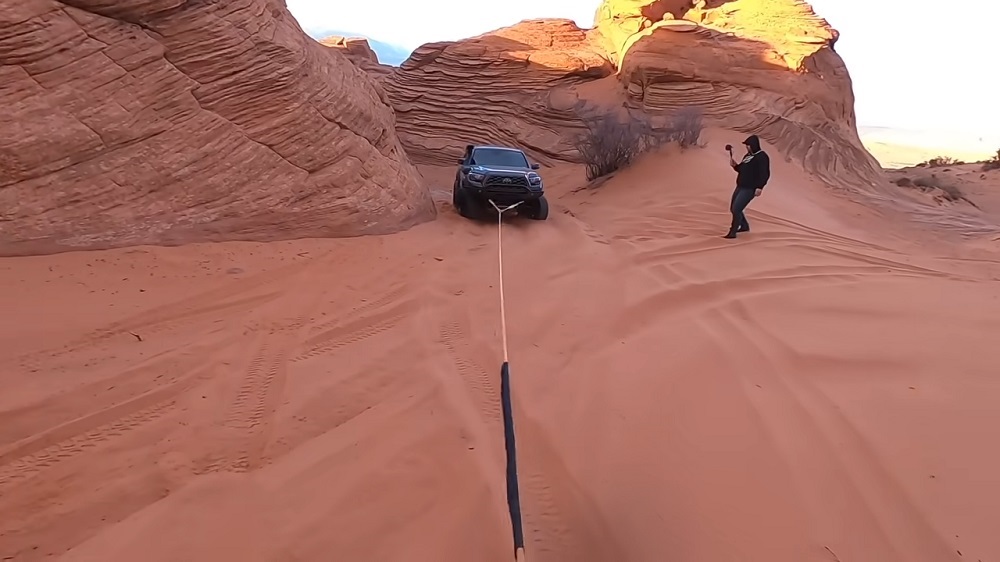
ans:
(512, 86)
(758, 66)
(763, 67)
(169, 121)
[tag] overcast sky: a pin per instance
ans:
(913, 67)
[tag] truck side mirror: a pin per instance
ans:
(535, 166)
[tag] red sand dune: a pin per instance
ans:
(824, 388)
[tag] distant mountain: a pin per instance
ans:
(387, 53)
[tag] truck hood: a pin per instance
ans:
(513, 169)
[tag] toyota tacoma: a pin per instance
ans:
(501, 175)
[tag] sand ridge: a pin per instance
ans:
(822, 388)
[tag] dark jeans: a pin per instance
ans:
(741, 198)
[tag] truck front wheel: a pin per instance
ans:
(539, 210)
(467, 205)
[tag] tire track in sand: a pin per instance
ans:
(683, 295)
(559, 524)
(384, 300)
(357, 392)
(356, 331)
(232, 296)
(662, 252)
(823, 445)
(75, 403)
(64, 442)
(359, 387)
(245, 428)
(248, 415)
(455, 336)
(690, 296)
(821, 234)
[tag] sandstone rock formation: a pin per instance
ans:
(358, 51)
(162, 121)
(515, 85)
(766, 67)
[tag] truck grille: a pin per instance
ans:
(506, 181)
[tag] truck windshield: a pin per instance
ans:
(498, 157)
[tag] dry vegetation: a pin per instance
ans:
(940, 162)
(613, 139)
(992, 163)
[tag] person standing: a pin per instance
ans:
(752, 174)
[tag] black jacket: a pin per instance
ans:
(755, 169)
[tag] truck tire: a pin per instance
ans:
(540, 209)
(466, 205)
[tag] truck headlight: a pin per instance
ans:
(534, 180)
(476, 177)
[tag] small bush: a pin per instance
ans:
(992, 163)
(611, 142)
(941, 161)
(613, 139)
(685, 127)
(904, 182)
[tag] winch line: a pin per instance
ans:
(513, 496)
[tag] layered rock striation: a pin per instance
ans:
(765, 67)
(358, 51)
(165, 121)
(514, 86)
